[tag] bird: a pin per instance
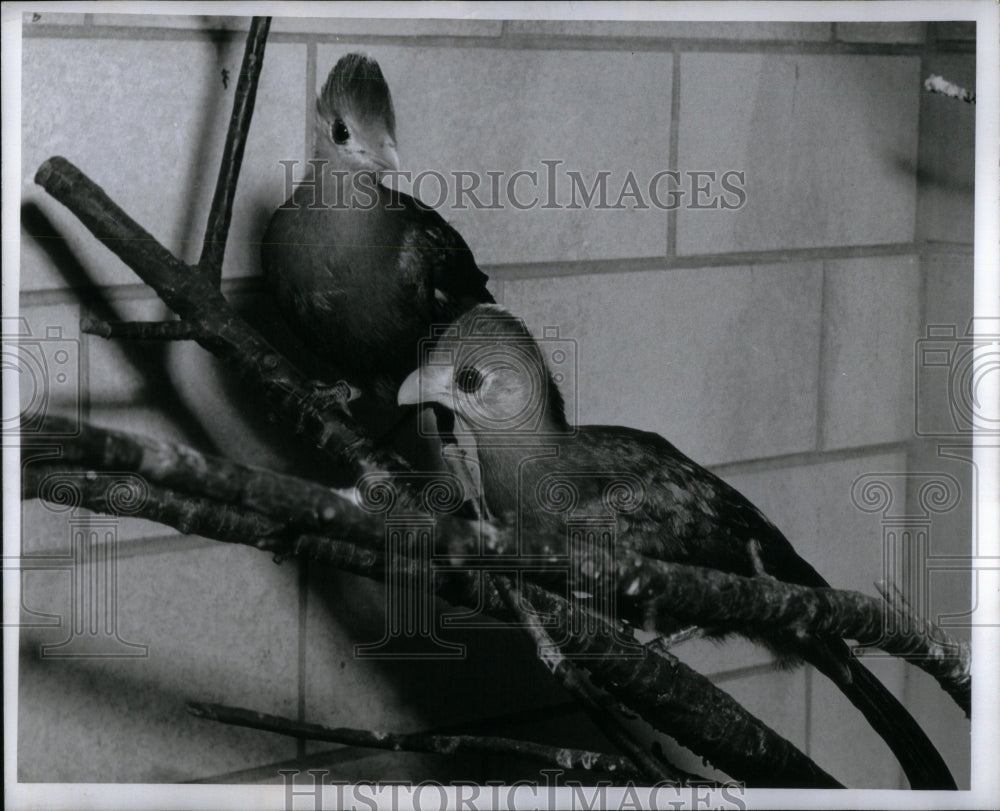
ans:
(496, 381)
(360, 273)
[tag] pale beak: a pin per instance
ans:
(386, 157)
(428, 384)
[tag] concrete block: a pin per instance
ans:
(638, 29)
(944, 396)
(940, 496)
(944, 723)
(389, 26)
(880, 32)
(828, 145)
(146, 120)
(341, 689)
(777, 697)
(947, 163)
(812, 505)
(723, 361)
(842, 742)
(872, 321)
(478, 111)
(210, 637)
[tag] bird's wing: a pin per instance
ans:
(687, 514)
(431, 246)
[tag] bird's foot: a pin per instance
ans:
(676, 638)
(324, 396)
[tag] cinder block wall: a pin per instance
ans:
(774, 343)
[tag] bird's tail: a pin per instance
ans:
(922, 763)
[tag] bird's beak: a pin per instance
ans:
(386, 158)
(428, 384)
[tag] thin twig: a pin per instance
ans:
(141, 330)
(214, 247)
(557, 756)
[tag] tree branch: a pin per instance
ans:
(657, 594)
(214, 247)
(560, 757)
(664, 691)
(142, 330)
(649, 592)
(576, 684)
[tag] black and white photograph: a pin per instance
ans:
(455, 405)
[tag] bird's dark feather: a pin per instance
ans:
(684, 512)
(357, 284)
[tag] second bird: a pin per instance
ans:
(361, 272)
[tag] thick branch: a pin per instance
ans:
(658, 594)
(299, 503)
(194, 298)
(77, 487)
(576, 684)
(214, 247)
(664, 691)
(555, 756)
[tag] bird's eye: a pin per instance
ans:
(469, 379)
(339, 132)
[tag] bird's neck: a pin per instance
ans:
(343, 185)
(511, 465)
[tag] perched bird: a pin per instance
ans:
(360, 272)
(495, 379)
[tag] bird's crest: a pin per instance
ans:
(356, 86)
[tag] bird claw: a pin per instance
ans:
(753, 547)
(324, 396)
(664, 643)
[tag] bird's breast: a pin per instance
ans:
(340, 279)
